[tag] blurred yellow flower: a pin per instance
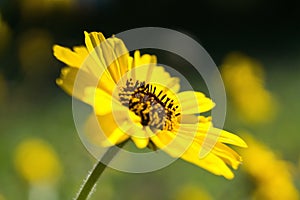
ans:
(192, 192)
(138, 100)
(5, 34)
(244, 82)
(33, 8)
(37, 162)
(2, 197)
(34, 52)
(272, 176)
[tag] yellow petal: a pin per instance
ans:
(67, 80)
(205, 129)
(145, 69)
(178, 145)
(106, 83)
(111, 59)
(132, 122)
(223, 136)
(188, 119)
(100, 100)
(72, 58)
(194, 102)
(116, 137)
(171, 143)
(83, 79)
(110, 54)
(142, 67)
(96, 56)
(210, 162)
(173, 84)
(161, 76)
(227, 154)
(140, 142)
(144, 59)
(103, 130)
(229, 138)
(209, 140)
(169, 85)
(93, 40)
(121, 54)
(130, 63)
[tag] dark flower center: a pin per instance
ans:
(155, 109)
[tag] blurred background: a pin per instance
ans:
(255, 44)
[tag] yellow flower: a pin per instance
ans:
(37, 162)
(192, 192)
(33, 53)
(244, 81)
(134, 98)
(32, 8)
(271, 175)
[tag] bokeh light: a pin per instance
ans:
(37, 162)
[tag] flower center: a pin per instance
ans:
(155, 109)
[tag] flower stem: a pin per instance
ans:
(96, 172)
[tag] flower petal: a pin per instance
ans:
(180, 145)
(93, 40)
(205, 129)
(144, 59)
(229, 138)
(188, 119)
(227, 154)
(170, 143)
(67, 80)
(210, 162)
(140, 142)
(222, 136)
(117, 136)
(142, 66)
(103, 131)
(110, 54)
(72, 58)
(100, 100)
(89, 69)
(194, 102)
(121, 53)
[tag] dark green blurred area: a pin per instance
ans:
(33, 106)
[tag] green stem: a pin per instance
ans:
(96, 172)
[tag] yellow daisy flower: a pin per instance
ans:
(272, 176)
(134, 98)
(245, 84)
